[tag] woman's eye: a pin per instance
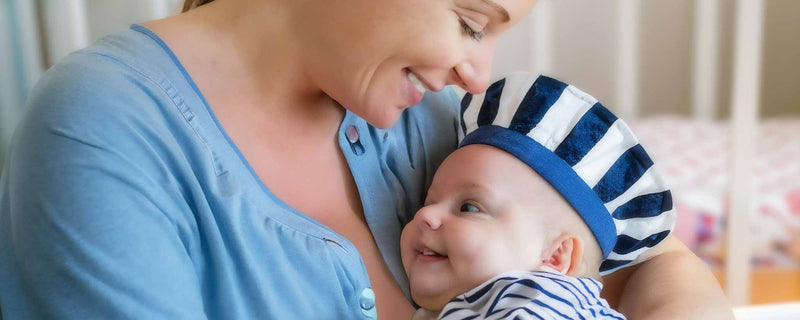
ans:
(468, 207)
(469, 31)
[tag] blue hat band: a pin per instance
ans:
(558, 173)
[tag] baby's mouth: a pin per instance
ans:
(425, 254)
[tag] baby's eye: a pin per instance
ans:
(468, 207)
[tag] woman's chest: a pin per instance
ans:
(322, 188)
(331, 215)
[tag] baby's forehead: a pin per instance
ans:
(500, 177)
(488, 166)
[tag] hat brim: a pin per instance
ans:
(558, 173)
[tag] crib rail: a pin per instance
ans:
(744, 101)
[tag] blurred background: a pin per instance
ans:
(710, 86)
(585, 44)
(712, 89)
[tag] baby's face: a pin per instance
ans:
(479, 220)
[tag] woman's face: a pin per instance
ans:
(374, 56)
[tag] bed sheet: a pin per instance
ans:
(694, 157)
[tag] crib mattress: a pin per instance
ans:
(695, 157)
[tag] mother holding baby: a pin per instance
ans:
(258, 159)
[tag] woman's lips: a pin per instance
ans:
(416, 82)
(414, 89)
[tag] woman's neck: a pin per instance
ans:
(245, 54)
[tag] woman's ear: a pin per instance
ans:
(565, 255)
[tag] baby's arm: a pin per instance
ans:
(670, 283)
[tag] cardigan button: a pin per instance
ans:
(367, 302)
(351, 133)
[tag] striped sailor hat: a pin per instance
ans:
(585, 152)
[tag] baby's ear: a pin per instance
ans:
(565, 255)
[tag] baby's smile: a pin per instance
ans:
(427, 255)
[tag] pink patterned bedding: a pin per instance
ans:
(693, 155)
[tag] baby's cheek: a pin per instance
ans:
(405, 244)
(471, 249)
(478, 262)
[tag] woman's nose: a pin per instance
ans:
(472, 74)
(427, 218)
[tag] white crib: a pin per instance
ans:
(749, 18)
(747, 62)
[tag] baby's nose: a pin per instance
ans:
(428, 219)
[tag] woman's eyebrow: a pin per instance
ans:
(500, 10)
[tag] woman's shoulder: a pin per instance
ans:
(430, 129)
(109, 75)
(438, 109)
(104, 96)
(435, 119)
(118, 81)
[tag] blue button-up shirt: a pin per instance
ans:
(122, 197)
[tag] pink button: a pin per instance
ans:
(351, 133)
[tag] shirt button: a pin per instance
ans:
(351, 133)
(367, 302)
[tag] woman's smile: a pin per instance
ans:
(414, 87)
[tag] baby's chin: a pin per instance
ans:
(432, 303)
(433, 298)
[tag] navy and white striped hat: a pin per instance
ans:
(585, 152)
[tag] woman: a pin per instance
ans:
(219, 164)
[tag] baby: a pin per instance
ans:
(546, 192)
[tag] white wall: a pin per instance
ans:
(781, 86)
(108, 16)
(35, 34)
(70, 25)
(584, 52)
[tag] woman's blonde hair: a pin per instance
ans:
(191, 4)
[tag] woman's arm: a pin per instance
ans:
(670, 283)
(90, 220)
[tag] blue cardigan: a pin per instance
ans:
(122, 197)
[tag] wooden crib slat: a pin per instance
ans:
(745, 100)
(705, 59)
(541, 37)
(628, 59)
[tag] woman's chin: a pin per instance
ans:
(385, 119)
(383, 123)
